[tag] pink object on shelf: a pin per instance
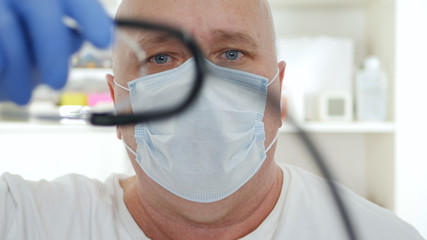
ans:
(94, 98)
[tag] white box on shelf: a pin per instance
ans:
(336, 106)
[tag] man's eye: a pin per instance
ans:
(232, 55)
(160, 59)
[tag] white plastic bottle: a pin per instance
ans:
(371, 92)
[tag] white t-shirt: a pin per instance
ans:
(76, 207)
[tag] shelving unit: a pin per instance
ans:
(343, 127)
(361, 155)
(49, 127)
(386, 163)
(319, 3)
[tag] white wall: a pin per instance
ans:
(363, 162)
(310, 21)
(411, 112)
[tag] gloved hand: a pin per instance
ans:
(35, 45)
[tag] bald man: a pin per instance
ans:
(256, 199)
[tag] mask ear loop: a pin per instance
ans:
(274, 78)
(277, 134)
(121, 86)
(129, 148)
(272, 142)
(122, 104)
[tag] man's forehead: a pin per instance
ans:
(200, 13)
(180, 5)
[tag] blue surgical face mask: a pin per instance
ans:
(211, 150)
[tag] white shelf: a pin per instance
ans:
(350, 127)
(31, 127)
(91, 74)
(314, 127)
(320, 3)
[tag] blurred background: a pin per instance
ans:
(355, 79)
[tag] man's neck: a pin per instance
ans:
(162, 215)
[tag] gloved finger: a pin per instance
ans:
(3, 95)
(15, 80)
(50, 39)
(94, 23)
(2, 66)
(76, 40)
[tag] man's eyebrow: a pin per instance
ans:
(157, 38)
(220, 36)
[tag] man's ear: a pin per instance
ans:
(111, 85)
(282, 67)
(283, 103)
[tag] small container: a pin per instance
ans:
(12, 112)
(371, 92)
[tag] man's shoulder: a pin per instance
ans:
(68, 206)
(65, 192)
(309, 196)
(66, 182)
(70, 202)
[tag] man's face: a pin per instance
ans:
(236, 34)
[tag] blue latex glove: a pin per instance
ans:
(35, 45)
